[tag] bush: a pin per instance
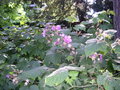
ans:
(53, 57)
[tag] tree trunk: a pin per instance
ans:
(116, 6)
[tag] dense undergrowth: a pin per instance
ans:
(60, 58)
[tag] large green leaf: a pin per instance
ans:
(58, 76)
(71, 19)
(117, 49)
(53, 57)
(34, 87)
(24, 88)
(108, 81)
(116, 67)
(93, 47)
(33, 73)
(80, 27)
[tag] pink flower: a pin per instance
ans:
(44, 33)
(58, 27)
(101, 57)
(67, 39)
(57, 41)
(93, 56)
(55, 28)
(96, 56)
(69, 45)
(62, 35)
(7, 76)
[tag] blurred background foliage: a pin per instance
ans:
(23, 11)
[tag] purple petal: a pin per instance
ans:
(7, 76)
(101, 57)
(58, 27)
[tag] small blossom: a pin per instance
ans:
(57, 42)
(93, 56)
(69, 45)
(101, 57)
(44, 33)
(7, 76)
(62, 35)
(54, 28)
(58, 27)
(52, 35)
(26, 82)
(67, 39)
(15, 80)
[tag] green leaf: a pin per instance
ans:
(80, 27)
(56, 77)
(107, 81)
(69, 58)
(71, 19)
(93, 47)
(53, 57)
(34, 87)
(105, 26)
(24, 88)
(94, 20)
(116, 67)
(33, 73)
(75, 45)
(117, 49)
(100, 80)
(111, 12)
(73, 74)
(50, 88)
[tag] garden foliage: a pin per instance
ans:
(60, 58)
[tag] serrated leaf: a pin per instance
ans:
(91, 48)
(117, 49)
(71, 19)
(33, 73)
(56, 77)
(70, 58)
(73, 74)
(34, 87)
(116, 67)
(54, 58)
(80, 27)
(24, 88)
(75, 45)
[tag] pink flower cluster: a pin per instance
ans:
(54, 31)
(48, 28)
(67, 39)
(96, 56)
(56, 28)
(44, 33)
(64, 40)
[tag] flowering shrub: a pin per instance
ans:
(53, 34)
(55, 57)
